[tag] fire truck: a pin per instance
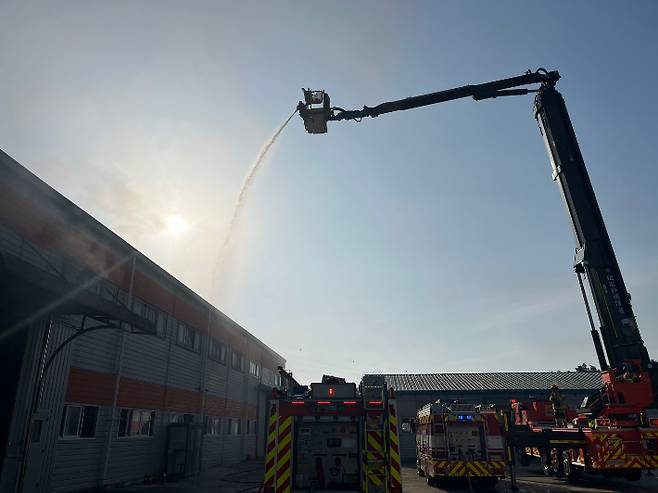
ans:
(333, 437)
(455, 440)
(615, 432)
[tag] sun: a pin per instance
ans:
(175, 224)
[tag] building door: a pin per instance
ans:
(36, 478)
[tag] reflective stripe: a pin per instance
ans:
(284, 450)
(270, 457)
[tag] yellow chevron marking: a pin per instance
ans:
(374, 443)
(284, 441)
(458, 469)
(285, 474)
(284, 426)
(393, 437)
(371, 456)
(484, 470)
(270, 455)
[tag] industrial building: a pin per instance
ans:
(112, 370)
(413, 391)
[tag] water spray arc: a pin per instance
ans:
(255, 167)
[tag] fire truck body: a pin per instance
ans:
(612, 446)
(459, 440)
(335, 438)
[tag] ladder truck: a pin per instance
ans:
(615, 432)
(333, 437)
(459, 441)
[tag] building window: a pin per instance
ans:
(237, 361)
(78, 421)
(136, 423)
(268, 377)
(188, 337)
(277, 379)
(181, 418)
(217, 351)
(213, 425)
(152, 314)
(161, 324)
(233, 427)
(254, 369)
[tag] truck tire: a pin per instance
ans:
(430, 480)
(571, 472)
(421, 473)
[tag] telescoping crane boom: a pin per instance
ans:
(594, 258)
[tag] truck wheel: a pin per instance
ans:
(430, 480)
(421, 473)
(571, 473)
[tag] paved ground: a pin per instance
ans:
(247, 477)
(235, 478)
(531, 480)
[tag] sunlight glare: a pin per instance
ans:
(175, 224)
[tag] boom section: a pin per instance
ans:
(595, 256)
(503, 87)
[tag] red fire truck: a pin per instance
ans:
(334, 437)
(618, 437)
(459, 441)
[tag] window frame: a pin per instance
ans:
(241, 365)
(217, 428)
(229, 427)
(129, 422)
(254, 369)
(220, 348)
(195, 345)
(77, 436)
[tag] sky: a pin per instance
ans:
(430, 240)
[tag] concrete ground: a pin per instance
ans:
(531, 480)
(247, 477)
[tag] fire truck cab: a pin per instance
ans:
(456, 440)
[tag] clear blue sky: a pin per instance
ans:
(425, 241)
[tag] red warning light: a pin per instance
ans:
(324, 402)
(349, 402)
(331, 391)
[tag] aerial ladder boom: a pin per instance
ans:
(595, 258)
(594, 254)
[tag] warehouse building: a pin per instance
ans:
(112, 370)
(413, 391)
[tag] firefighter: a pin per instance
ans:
(559, 404)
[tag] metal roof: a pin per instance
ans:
(428, 382)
